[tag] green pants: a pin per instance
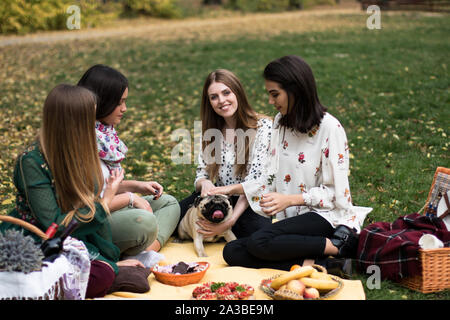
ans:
(133, 229)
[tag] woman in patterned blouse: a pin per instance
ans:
(305, 184)
(138, 222)
(228, 159)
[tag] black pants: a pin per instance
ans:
(248, 222)
(282, 244)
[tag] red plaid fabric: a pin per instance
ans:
(394, 246)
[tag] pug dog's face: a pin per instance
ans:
(213, 208)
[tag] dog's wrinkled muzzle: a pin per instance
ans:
(215, 211)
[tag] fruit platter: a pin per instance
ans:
(302, 283)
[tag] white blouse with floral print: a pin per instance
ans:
(315, 164)
(257, 158)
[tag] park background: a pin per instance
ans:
(389, 87)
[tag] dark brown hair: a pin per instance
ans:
(295, 76)
(108, 84)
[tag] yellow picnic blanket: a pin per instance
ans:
(219, 271)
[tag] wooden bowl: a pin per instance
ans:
(180, 280)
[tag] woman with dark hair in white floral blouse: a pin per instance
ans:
(305, 184)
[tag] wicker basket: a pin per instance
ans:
(54, 282)
(24, 225)
(435, 275)
(435, 263)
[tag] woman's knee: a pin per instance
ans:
(140, 232)
(174, 205)
(257, 244)
(146, 223)
(229, 253)
(235, 253)
(166, 205)
(146, 230)
(170, 200)
(166, 200)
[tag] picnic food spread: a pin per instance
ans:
(223, 291)
(308, 282)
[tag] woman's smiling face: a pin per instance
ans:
(278, 96)
(222, 99)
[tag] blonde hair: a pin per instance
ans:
(246, 117)
(69, 144)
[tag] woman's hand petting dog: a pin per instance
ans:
(206, 185)
(232, 189)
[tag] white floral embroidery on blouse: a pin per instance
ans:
(315, 164)
(257, 158)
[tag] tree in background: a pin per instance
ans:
(154, 8)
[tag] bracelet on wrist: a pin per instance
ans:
(131, 201)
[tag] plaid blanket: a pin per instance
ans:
(394, 246)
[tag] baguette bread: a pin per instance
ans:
(295, 274)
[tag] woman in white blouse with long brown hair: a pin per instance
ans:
(305, 183)
(234, 150)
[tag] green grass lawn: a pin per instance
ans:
(388, 87)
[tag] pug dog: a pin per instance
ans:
(216, 209)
